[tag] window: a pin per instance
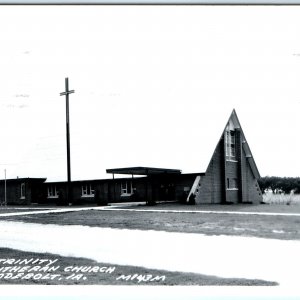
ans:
(230, 144)
(232, 184)
(52, 192)
(87, 190)
(23, 190)
(126, 188)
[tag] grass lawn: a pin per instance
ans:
(261, 208)
(278, 227)
(64, 275)
(266, 226)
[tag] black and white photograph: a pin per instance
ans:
(150, 147)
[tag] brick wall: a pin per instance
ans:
(214, 187)
(13, 191)
(211, 185)
(232, 196)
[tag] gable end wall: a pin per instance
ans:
(211, 188)
(214, 184)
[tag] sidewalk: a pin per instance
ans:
(127, 206)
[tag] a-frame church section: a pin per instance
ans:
(231, 175)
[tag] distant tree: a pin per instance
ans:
(264, 184)
(280, 184)
(297, 186)
(287, 184)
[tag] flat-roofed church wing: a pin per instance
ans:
(231, 175)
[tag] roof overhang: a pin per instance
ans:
(24, 179)
(250, 159)
(143, 171)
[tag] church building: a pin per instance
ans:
(231, 175)
(230, 178)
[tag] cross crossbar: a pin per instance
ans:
(67, 93)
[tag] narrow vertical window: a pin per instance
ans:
(124, 188)
(235, 183)
(23, 190)
(230, 144)
(84, 190)
(92, 190)
(232, 184)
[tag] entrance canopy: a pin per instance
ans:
(142, 171)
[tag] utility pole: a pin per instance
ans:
(66, 93)
(5, 200)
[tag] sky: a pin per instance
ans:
(154, 86)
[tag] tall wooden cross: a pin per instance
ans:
(66, 93)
